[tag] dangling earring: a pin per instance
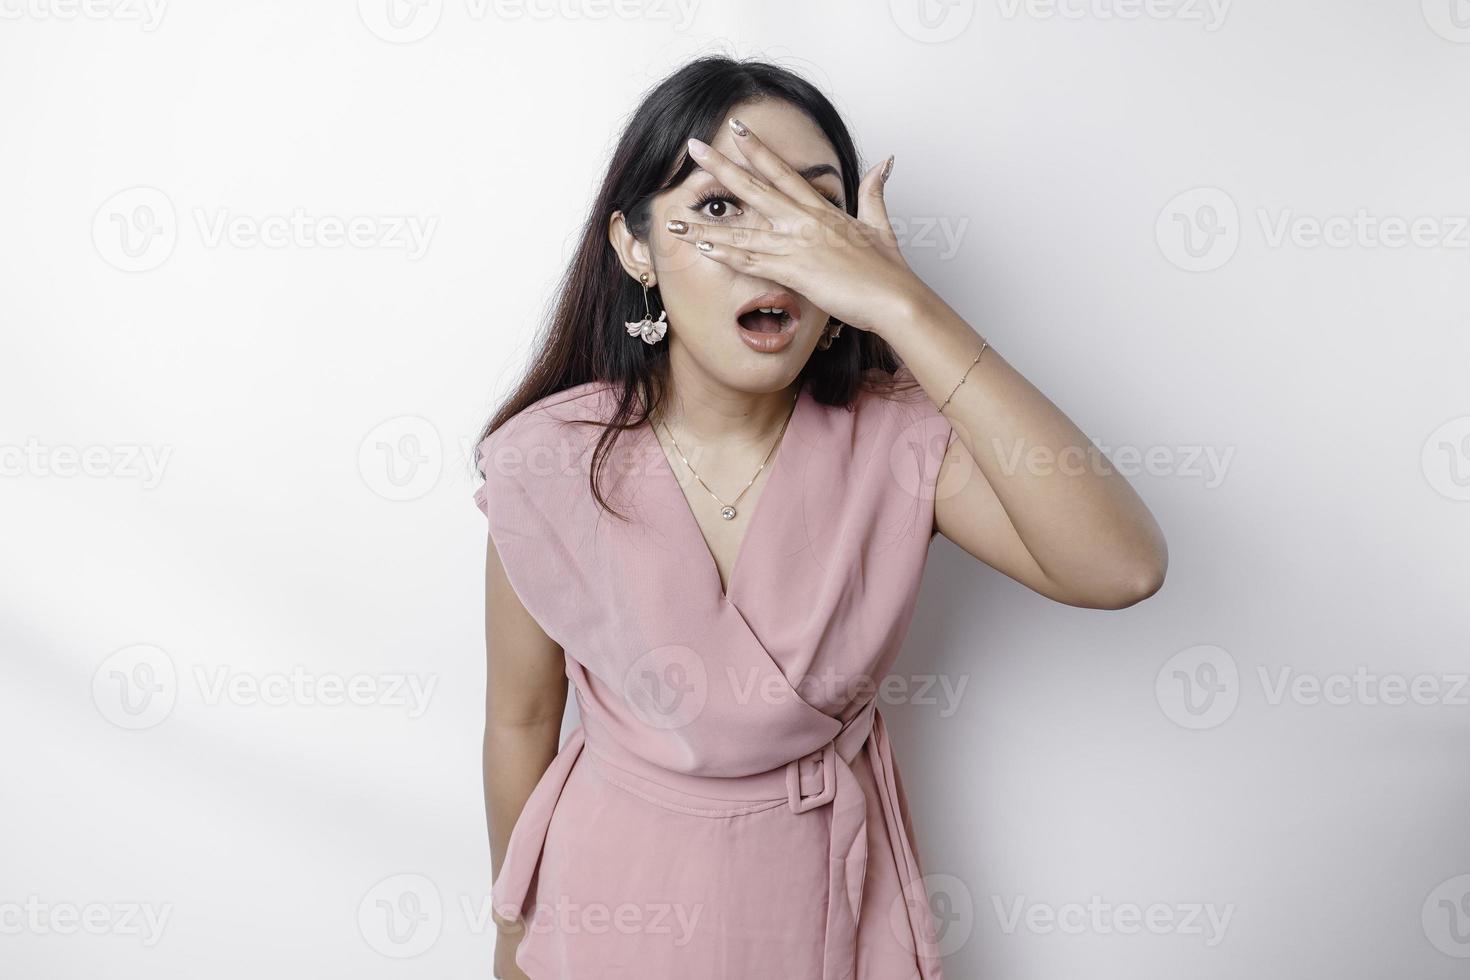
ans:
(829, 334)
(651, 330)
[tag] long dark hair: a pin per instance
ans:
(585, 339)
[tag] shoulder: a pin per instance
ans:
(909, 429)
(556, 420)
(534, 460)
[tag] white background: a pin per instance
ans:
(309, 409)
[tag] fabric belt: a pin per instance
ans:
(821, 778)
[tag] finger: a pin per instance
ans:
(773, 166)
(872, 208)
(750, 239)
(752, 188)
(760, 264)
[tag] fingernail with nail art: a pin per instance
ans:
(739, 127)
(676, 226)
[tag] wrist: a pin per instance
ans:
(909, 309)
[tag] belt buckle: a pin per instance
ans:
(801, 804)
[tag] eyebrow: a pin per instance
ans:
(808, 173)
(820, 170)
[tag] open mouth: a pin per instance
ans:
(770, 313)
(765, 321)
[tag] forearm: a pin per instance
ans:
(1083, 524)
(515, 757)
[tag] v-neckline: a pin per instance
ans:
(726, 590)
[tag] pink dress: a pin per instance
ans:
(728, 808)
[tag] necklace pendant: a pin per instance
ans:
(727, 512)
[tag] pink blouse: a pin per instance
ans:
(728, 806)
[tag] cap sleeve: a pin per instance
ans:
(521, 491)
(921, 437)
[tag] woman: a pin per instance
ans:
(709, 507)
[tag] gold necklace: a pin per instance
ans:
(727, 511)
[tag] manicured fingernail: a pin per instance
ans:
(676, 226)
(698, 149)
(887, 169)
(704, 246)
(739, 127)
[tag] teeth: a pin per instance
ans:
(771, 309)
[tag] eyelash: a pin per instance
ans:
(718, 195)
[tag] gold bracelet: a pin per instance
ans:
(983, 344)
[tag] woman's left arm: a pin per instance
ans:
(1047, 509)
(1022, 488)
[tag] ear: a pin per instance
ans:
(632, 254)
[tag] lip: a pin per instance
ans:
(770, 343)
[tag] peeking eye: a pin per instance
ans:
(716, 204)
